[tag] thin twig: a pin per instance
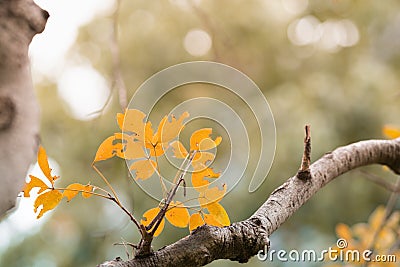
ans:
(157, 220)
(99, 111)
(380, 181)
(107, 183)
(208, 24)
(130, 215)
(180, 168)
(116, 60)
(164, 187)
(126, 244)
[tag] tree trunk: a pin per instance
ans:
(242, 240)
(20, 20)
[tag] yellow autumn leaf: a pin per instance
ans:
(170, 129)
(177, 214)
(391, 132)
(208, 143)
(34, 182)
(202, 160)
(219, 213)
(148, 216)
(195, 221)
(178, 150)
(148, 135)
(143, 168)
(73, 189)
(393, 220)
(198, 181)
(211, 195)
(108, 149)
(131, 149)
(211, 220)
(377, 217)
(44, 165)
(120, 120)
(88, 188)
(48, 201)
(201, 135)
(132, 122)
(360, 229)
(343, 231)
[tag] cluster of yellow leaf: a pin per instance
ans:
(139, 142)
(48, 196)
(379, 235)
(210, 211)
(391, 132)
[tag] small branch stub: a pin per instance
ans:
(304, 171)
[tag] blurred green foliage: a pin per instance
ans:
(346, 93)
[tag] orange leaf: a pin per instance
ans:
(88, 188)
(201, 135)
(73, 189)
(131, 149)
(108, 149)
(158, 150)
(211, 220)
(149, 137)
(376, 217)
(144, 168)
(219, 213)
(44, 165)
(201, 160)
(168, 130)
(343, 231)
(179, 150)
(195, 221)
(148, 216)
(120, 120)
(393, 220)
(208, 143)
(34, 182)
(198, 178)
(177, 214)
(211, 195)
(391, 132)
(48, 200)
(132, 122)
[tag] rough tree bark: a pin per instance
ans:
(242, 240)
(20, 20)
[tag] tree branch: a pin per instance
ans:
(20, 20)
(242, 240)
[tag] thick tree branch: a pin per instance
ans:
(20, 20)
(244, 239)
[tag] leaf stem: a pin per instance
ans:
(107, 183)
(180, 168)
(130, 215)
(157, 220)
(164, 188)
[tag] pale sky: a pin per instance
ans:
(81, 86)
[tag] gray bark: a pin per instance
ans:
(242, 240)
(20, 20)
